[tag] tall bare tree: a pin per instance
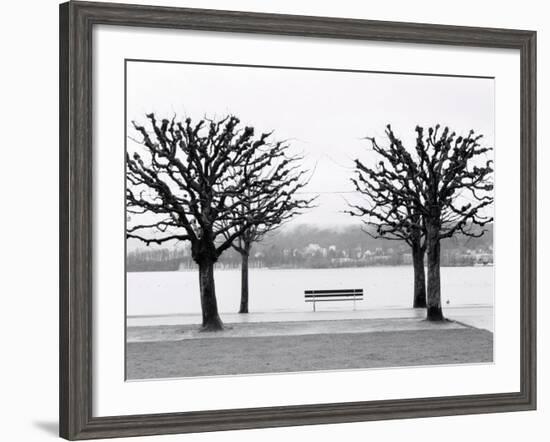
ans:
(281, 202)
(388, 214)
(445, 183)
(184, 183)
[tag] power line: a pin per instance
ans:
(339, 192)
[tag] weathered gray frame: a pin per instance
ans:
(76, 22)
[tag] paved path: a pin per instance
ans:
(475, 316)
(289, 328)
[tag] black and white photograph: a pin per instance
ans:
(267, 221)
(295, 219)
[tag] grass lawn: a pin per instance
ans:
(334, 351)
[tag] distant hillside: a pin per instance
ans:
(353, 236)
(308, 246)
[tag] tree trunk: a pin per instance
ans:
(244, 283)
(434, 275)
(419, 299)
(210, 319)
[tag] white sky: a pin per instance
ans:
(323, 114)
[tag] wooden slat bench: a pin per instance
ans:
(315, 296)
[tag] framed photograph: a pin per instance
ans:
(272, 220)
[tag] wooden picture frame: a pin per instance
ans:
(77, 20)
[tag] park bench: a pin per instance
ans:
(315, 296)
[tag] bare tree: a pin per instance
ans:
(442, 188)
(185, 183)
(279, 203)
(387, 214)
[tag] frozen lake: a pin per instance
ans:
(282, 290)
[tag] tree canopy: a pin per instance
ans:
(208, 183)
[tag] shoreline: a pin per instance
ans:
(227, 268)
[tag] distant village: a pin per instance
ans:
(314, 255)
(346, 252)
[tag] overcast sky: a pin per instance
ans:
(323, 114)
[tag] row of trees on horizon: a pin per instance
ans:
(218, 186)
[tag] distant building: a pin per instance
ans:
(313, 249)
(484, 258)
